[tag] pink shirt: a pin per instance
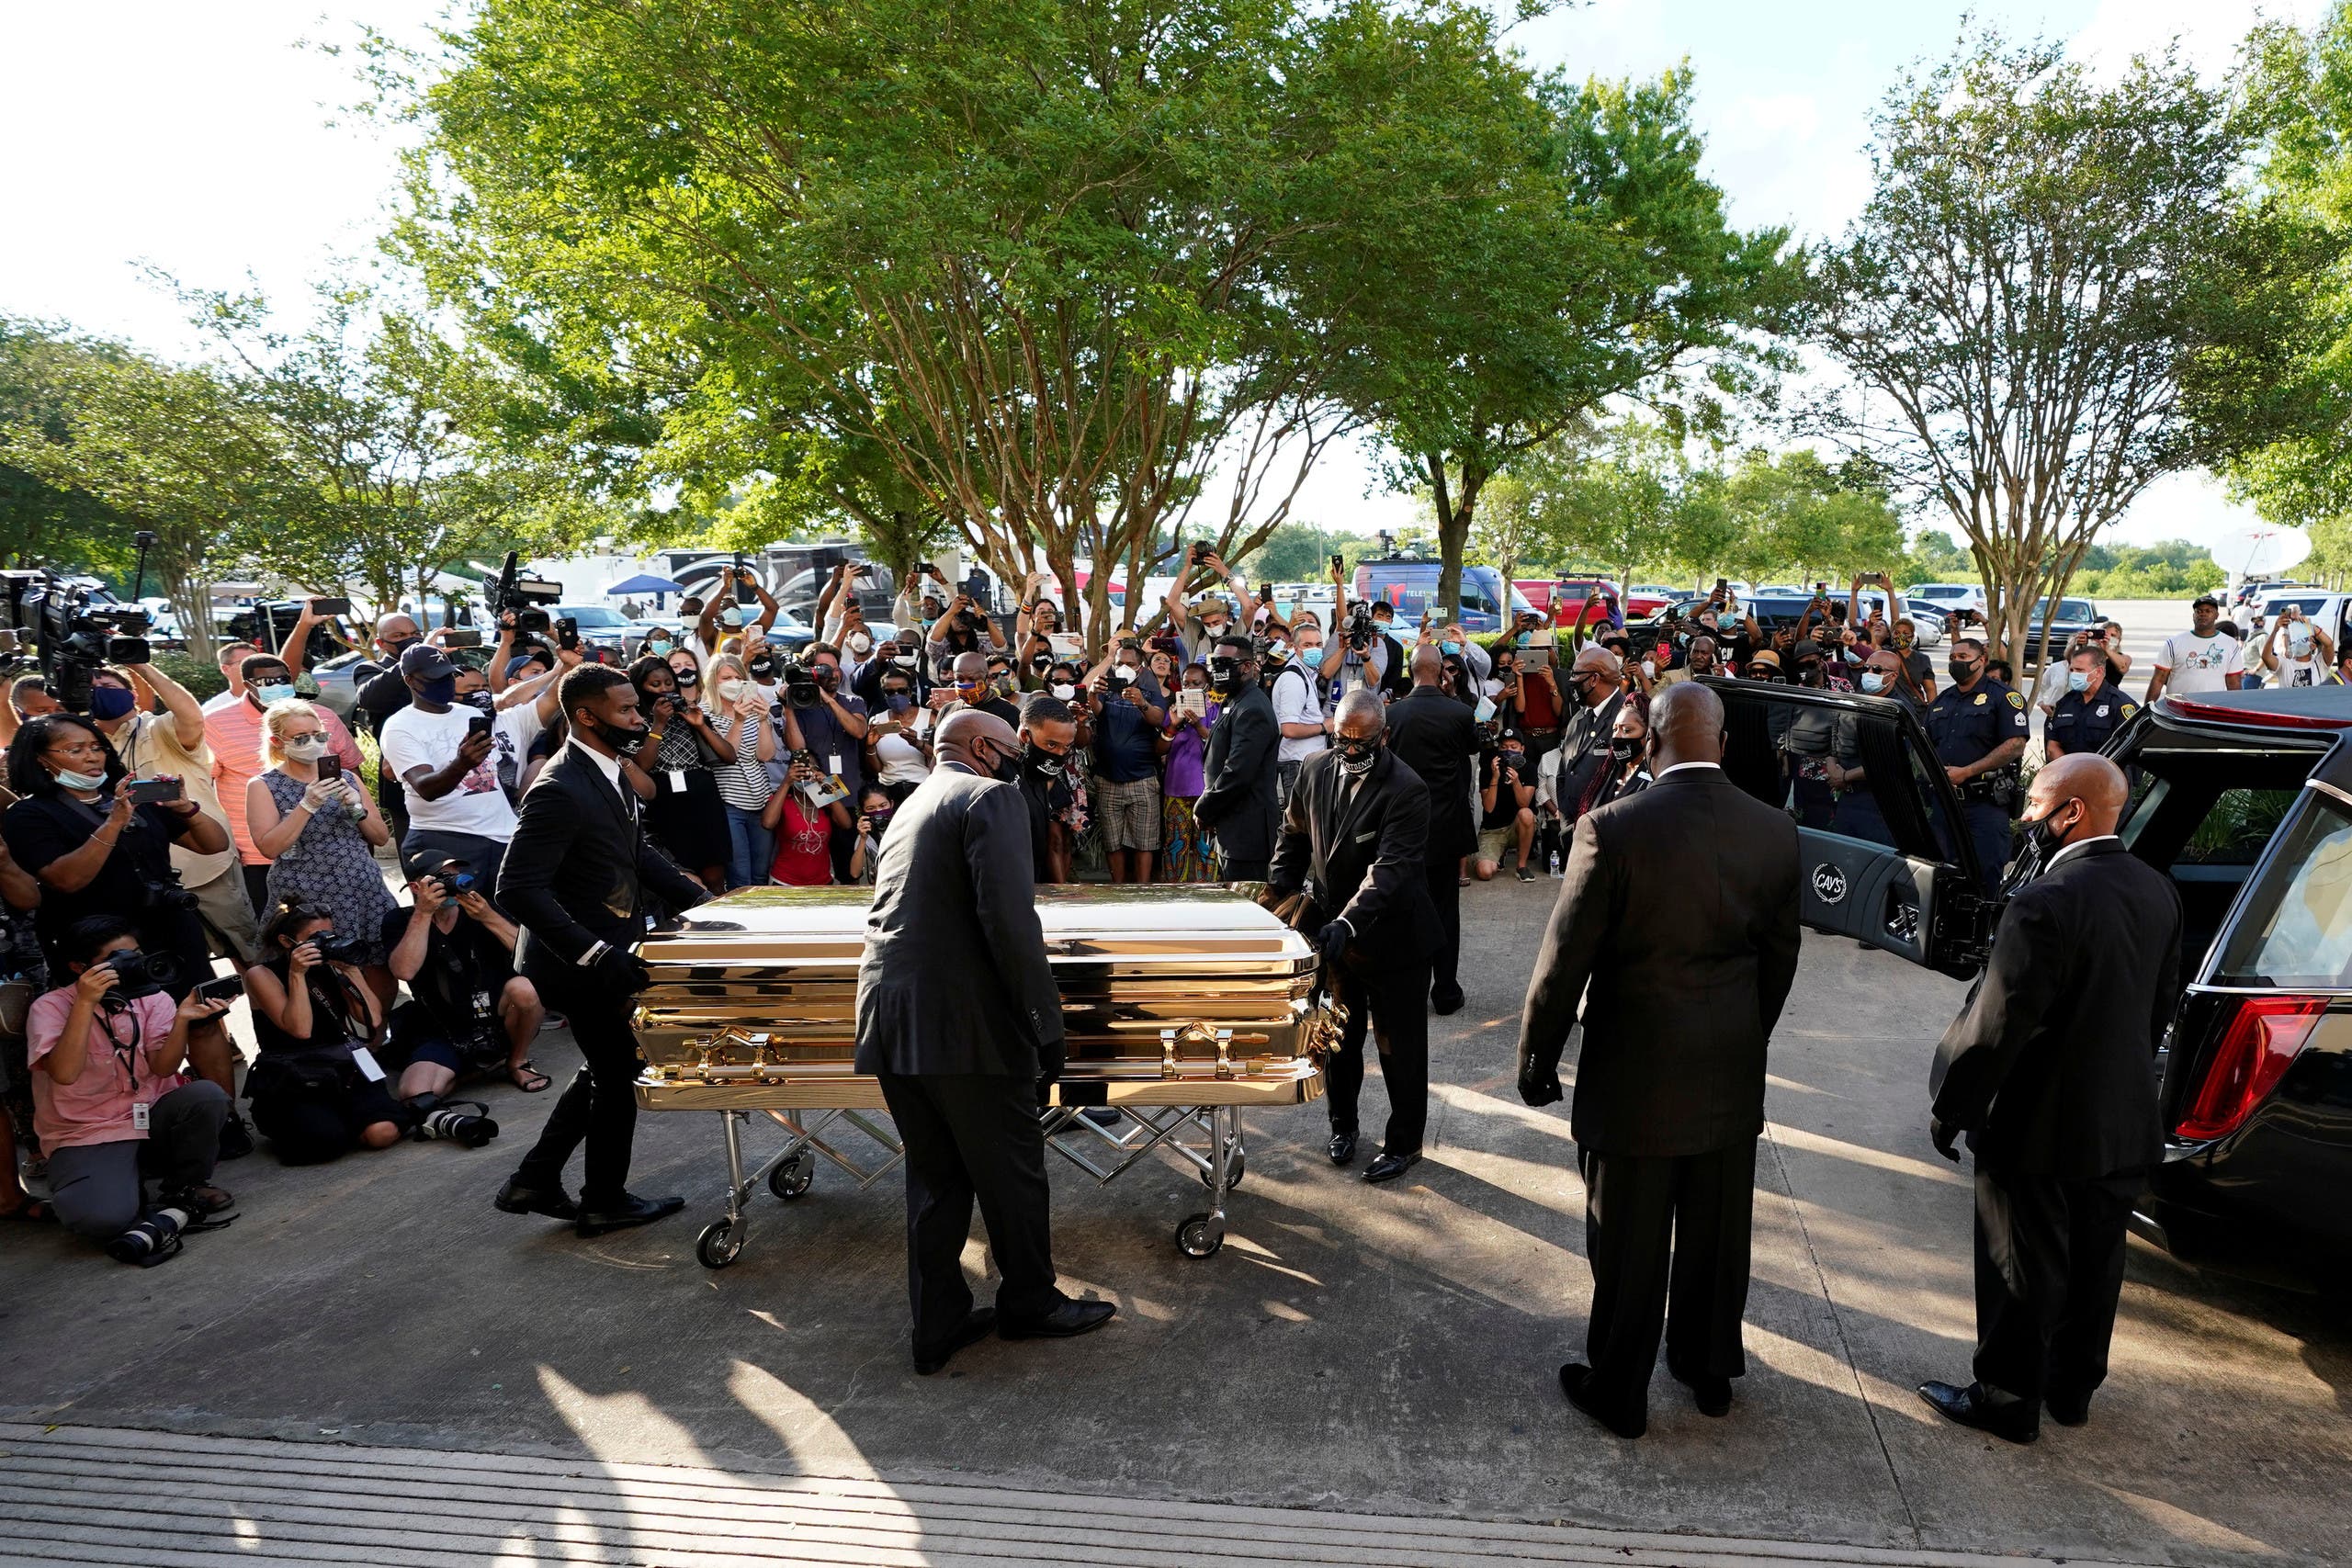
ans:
(95, 1107)
(233, 732)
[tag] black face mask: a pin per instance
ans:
(1809, 671)
(2046, 839)
(624, 742)
(1044, 761)
(1625, 747)
(1006, 768)
(1963, 672)
(1356, 757)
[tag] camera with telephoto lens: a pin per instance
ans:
(165, 893)
(335, 948)
(1362, 628)
(138, 974)
(800, 688)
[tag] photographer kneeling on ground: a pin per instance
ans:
(112, 1107)
(76, 828)
(317, 1089)
(472, 1013)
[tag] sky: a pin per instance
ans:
(210, 143)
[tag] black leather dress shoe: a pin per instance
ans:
(554, 1203)
(1444, 1003)
(1065, 1321)
(1575, 1381)
(1388, 1168)
(2017, 1423)
(1712, 1395)
(2067, 1409)
(1343, 1148)
(976, 1327)
(631, 1209)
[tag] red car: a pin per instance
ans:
(1562, 599)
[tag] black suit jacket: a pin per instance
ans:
(1584, 750)
(955, 978)
(1678, 908)
(1362, 860)
(2051, 1065)
(1238, 772)
(1437, 737)
(576, 872)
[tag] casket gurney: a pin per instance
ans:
(1183, 1005)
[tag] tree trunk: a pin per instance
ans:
(192, 602)
(1453, 514)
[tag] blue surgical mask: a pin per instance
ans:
(278, 692)
(1450, 649)
(1311, 657)
(67, 779)
(109, 702)
(657, 647)
(2078, 680)
(730, 616)
(1873, 683)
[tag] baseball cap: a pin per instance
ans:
(2203, 599)
(1808, 648)
(523, 661)
(425, 662)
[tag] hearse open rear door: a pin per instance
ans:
(1885, 856)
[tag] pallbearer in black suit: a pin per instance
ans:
(575, 878)
(1438, 738)
(1352, 849)
(959, 1018)
(2049, 1070)
(1679, 910)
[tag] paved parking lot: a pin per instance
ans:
(1368, 1351)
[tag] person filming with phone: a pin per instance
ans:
(470, 1013)
(320, 832)
(447, 754)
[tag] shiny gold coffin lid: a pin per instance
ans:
(755, 998)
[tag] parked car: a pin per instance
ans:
(1950, 596)
(1649, 598)
(2327, 610)
(603, 627)
(2244, 799)
(1411, 586)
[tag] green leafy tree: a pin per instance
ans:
(2052, 277)
(1792, 516)
(43, 523)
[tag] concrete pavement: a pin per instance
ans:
(1369, 1351)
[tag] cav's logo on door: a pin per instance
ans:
(1829, 882)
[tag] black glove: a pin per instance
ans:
(1051, 1059)
(622, 971)
(1946, 1138)
(1333, 940)
(1540, 1085)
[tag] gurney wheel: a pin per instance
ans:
(1233, 1170)
(717, 1246)
(1200, 1235)
(793, 1177)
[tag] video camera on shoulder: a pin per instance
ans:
(527, 596)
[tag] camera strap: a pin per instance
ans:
(110, 1009)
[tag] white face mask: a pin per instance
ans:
(306, 748)
(1064, 690)
(730, 691)
(860, 644)
(1125, 671)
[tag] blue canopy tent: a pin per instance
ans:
(644, 582)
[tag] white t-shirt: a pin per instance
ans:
(2298, 666)
(2201, 664)
(414, 739)
(1299, 700)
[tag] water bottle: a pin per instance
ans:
(1555, 862)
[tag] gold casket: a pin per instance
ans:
(1184, 1004)
(1171, 995)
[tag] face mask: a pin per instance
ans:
(762, 667)
(478, 701)
(1485, 710)
(1037, 757)
(899, 701)
(307, 747)
(109, 702)
(904, 660)
(1064, 690)
(1356, 757)
(1808, 671)
(730, 616)
(68, 779)
(1042, 663)
(1312, 657)
(730, 691)
(1125, 672)
(1450, 649)
(282, 691)
(1961, 672)
(621, 740)
(2046, 839)
(1225, 672)
(439, 693)
(392, 650)
(1006, 769)
(1625, 747)
(1526, 637)
(2078, 680)
(1873, 683)
(860, 644)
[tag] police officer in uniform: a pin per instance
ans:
(2091, 710)
(1978, 726)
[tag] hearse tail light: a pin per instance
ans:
(2261, 1044)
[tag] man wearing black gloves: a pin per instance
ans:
(1437, 737)
(959, 1018)
(1350, 869)
(1238, 796)
(1671, 1079)
(575, 878)
(2050, 1071)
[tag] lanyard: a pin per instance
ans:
(128, 1053)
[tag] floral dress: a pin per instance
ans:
(330, 866)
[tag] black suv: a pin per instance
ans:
(2245, 800)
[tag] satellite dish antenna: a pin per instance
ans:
(2260, 550)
